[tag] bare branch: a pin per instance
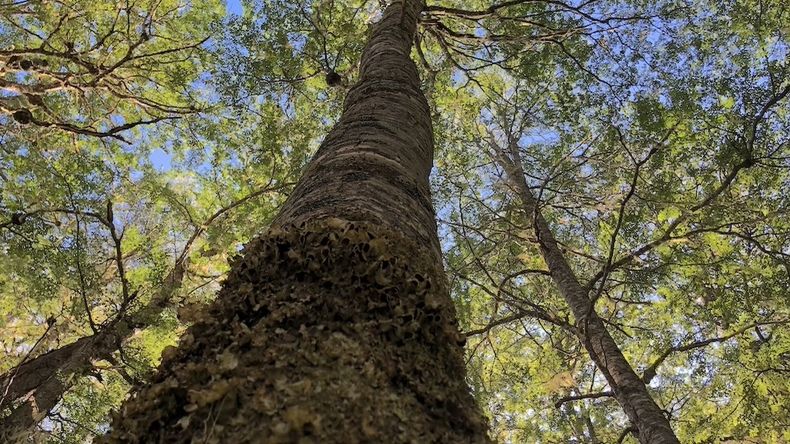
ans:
(564, 399)
(650, 372)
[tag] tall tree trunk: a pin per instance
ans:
(628, 388)
(50, 379)
(336, 326)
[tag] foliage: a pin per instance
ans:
(655, 136)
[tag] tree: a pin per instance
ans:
(635, 184)
(63, 259)
(651, 139)
(627, 386)
(99, 68)
(646, 416)
(337, 322)
(38, 384)
(90, 301)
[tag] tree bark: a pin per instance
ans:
(628, 388)
(336, 326)
(47, 381)
(24, 378)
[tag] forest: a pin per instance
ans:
(395, 221)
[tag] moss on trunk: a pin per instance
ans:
(327, 332)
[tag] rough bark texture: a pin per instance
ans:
(21, 380)
(629, 390)
(374, 164)
(336, 326)
(38, 385)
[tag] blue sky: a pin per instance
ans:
(161, 159)
(233, 7)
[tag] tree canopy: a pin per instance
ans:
(143, 143)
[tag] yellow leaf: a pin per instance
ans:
(562, 380)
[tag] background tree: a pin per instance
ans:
(98, 234)
(573, 131)
(100, 68)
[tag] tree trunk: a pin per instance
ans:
(38, 385)
(336, 326)
(629, 390)
(21, 380)
(33, 388)
(47, 381)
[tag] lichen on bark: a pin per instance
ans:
(326, 332)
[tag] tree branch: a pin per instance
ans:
(564, 399)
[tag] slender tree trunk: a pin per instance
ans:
(32, 389)
(37, 386)
(64, 367)
(336, 326)
(629, 390)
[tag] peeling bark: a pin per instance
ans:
(628, 388)
(336, 326)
